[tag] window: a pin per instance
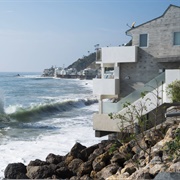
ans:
(176, 38)
(143, 40)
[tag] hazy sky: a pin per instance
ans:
(36, 34)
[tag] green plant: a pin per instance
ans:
(136, 119)
(172, 148)
(173, 90)
(113, 148)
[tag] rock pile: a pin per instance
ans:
(107, 160)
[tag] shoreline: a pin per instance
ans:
(105, 160)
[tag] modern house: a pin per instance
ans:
(151, 59)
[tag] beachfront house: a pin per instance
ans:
(151, 59)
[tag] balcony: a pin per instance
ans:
(105, 86)
(123, 54)
(102, 122)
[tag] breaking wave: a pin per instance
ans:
(45, 110)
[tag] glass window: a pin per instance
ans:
(143, 40)
(176, 38)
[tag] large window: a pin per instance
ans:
(176, 38)
(143, 40)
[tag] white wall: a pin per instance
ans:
(121, 54)
(105, 86)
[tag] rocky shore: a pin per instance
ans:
(109, 160)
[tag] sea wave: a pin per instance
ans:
(4, 120)
(47, 109)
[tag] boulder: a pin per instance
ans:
(15, 171)
(93, 174)
(154, 170)
(126, 151)
(53, 159)
(167, 176)
(118, 158)
(170, 133)
(85, 153)
(74, 178)
(119, 176)
(40, 172)
(85, 168)
(156, 160)
(37, 162)
(68, 159)
(107, 171)
(112, 146)
(175, 167)
(64, 173)
(105, 143)
(76, 150)
(86, 177)
(141, 174)
(101, 161)
(130, 168)
(74, 165)
(95, 154)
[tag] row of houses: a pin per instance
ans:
(60, 72)
(151, 59)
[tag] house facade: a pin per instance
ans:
(153, 55)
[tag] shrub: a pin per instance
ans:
(173, 90)
(172, 148)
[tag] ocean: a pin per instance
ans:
(41, 115)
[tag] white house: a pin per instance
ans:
(152, 58)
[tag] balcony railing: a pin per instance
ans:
(121, 54)
(105, 86)
(109, 107)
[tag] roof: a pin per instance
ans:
(154, 18)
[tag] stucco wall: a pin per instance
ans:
(160, 45)
(160, 34)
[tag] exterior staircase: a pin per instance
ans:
(155, 100)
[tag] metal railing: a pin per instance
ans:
(109, 107)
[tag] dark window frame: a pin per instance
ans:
(143, 40)
(176, 42)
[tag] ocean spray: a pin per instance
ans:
(1, 102)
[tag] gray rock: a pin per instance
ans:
(37, 162)
(76, 150)
(118, 158)
(87, 151)
(96, 153)
(100, 161)
(15, 171)
(107, 171)
(40, 172)
(64, 173)
(167, 176)
(74, 165)
(54, 159)
(85, 168)
(175, 167)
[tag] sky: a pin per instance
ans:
(38, 34)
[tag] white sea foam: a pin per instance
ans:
(12, 108)
(23, 141)
(60, 143)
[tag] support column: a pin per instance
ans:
(100, 105)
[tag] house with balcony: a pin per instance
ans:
(151, 59)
